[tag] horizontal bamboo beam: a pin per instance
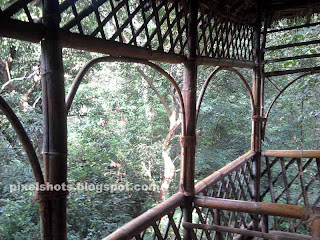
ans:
(291, 45)
(295, 27)
(286, 72)
(273, 235)
(93, 44)
(34, 32)
(31, 32)
(292, 58)
(261, 208)
(221, 173)
(292, 153)
(146, 219)
(207, 61)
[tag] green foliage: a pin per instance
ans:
(117, 126)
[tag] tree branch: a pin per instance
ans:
(146, 78)
(4, 70)
(171, 133)
(150, 83)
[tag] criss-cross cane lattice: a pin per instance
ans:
(168, 227)
(156, 25)
(237, 186)
(290, 181)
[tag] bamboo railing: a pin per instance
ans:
(165, 220)
(157, 222)
(262, 208)
(223, 202)
(234, 181)
(290, 177)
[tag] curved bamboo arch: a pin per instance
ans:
(285, 88)
(214, 72)
(24, 140)
(76, 83)
(281, 92)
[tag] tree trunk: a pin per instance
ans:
(169, 168)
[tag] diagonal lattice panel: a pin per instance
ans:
(291, 181)
(159, 25)
(221, 38)
(24, 10)
(235, 185)
(156, 25)
(168, 227)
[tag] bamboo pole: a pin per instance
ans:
(272, 48)
(306, 56)
(315, 228)
(147, 219)
(267, 19)
(293, 71)
(221, 173)
(256, 84)
(224, 62)
(295, 27)
(31, 32)
(261, 208)
(292, 153)
(53, 218)
(34, 32)
(257, 91)
(188, 141)
(273, 235)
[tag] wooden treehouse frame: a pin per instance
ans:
(230, 202)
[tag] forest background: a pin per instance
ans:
(124, 126)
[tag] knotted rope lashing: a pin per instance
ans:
(310, 213)
(188, 141)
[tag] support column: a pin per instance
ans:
(188, 141)
(267, 18)
(315, 228)
(53, 200)
(257, 92)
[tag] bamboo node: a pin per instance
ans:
(188, 141)
(55, 154)
(49, 195)
(310, 213)
(258, 118)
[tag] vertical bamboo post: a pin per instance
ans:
(315, 228)
(257, 118)
(188, 142)
(53, 200)
(265, 218)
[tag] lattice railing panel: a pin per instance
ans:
(156, 25)
(237, 185)
(221, 38)
(24, 10)
(168, 227)
(290, 181)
